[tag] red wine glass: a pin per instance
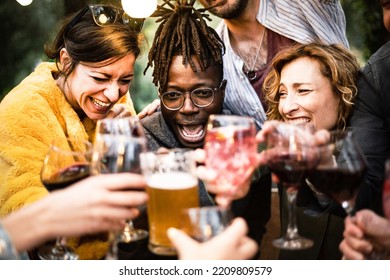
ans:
(117, 148)
(67, 161)
(340, 173)
(289, 156)
(341, 169)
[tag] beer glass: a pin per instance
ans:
(172, 187)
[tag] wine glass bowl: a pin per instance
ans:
(230, 147)
(117, 146)
(340, 170)
(66, 162)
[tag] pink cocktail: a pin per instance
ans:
(230, 148)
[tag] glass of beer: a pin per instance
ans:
(172, 187)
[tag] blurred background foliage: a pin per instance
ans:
(24, 30)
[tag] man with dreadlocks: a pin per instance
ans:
(187, 58)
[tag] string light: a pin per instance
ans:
(24, 2)
(139, 8)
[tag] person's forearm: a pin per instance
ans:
(25, 227)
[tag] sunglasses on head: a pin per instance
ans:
(105, 15)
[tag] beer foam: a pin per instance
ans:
(172, 181)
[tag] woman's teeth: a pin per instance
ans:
(299, 121)
(100, 103)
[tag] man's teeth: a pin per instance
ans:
(100, 103)
(186, 134)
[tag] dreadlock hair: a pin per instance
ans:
(182, 31)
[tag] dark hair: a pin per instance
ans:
(87, 42)
(337, 63)
(183, 31)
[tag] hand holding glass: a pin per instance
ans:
(340, 172)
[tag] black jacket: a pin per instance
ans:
(371, 124)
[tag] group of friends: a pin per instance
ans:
(276, 61)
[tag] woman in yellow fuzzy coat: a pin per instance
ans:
(94, 65)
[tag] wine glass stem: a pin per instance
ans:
(292, 229)
(58, 248)
(123, 236)
(112, 253)
(349, 208)
(129, 225)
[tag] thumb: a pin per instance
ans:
(371, 223)
(180, 240)
(237, 227)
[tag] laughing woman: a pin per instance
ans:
(313, 83)
(89, 80)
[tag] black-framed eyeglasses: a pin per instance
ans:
(200, 97)
(104, 15)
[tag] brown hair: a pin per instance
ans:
(336, 62)
(87, 42)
